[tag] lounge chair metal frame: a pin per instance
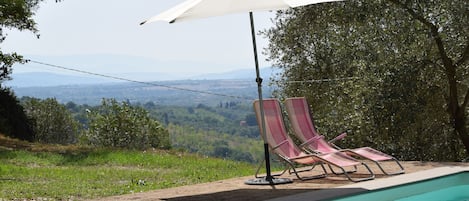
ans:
(400, 171)
(291, 164)
(351, 152)
(291, 167)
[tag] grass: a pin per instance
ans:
(33, 171)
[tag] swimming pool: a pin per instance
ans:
(417, 183)
(453, 187)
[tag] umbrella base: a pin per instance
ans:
(265, 181)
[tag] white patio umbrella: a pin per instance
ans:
(194, 9)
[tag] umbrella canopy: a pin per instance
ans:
(194, 9)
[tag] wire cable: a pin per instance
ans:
(135, 81)
(176, 88)
(325, 80)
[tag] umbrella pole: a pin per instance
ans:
(268, 179)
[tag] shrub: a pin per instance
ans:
(52, 122)
(123, 126)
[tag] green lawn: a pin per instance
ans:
(84, 174)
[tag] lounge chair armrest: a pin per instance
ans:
(339, 137)
(301, 157)
(313, 139)
(280, 144)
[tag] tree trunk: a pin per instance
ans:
(461, 129)
(457, 111)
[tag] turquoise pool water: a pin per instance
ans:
(454, 187)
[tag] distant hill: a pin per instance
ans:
(47, 79)
(43, 79)
(178, 92)
(266, 73)
(61, 70)
(125, 79)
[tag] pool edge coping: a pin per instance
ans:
(376, 184)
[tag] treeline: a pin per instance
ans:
(237, 120)
(211, 131)
(226, 132)
(111, 124)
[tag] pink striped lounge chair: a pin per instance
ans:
(283, 146)
(302, 123)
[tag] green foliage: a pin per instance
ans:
(15, 14)
(13, 121)
(120, 125)
(202, 117)
(209, 131)
(52, 122)
(251, 120)
(6, 62)
(214, 144)
(392, 73)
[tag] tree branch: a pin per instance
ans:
(433, 30)
(466, 100)
(447, 62)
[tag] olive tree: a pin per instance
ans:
(121, 125)
(394, 73)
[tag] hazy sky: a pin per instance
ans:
(109, 29)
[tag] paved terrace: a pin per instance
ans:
(316, 189)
